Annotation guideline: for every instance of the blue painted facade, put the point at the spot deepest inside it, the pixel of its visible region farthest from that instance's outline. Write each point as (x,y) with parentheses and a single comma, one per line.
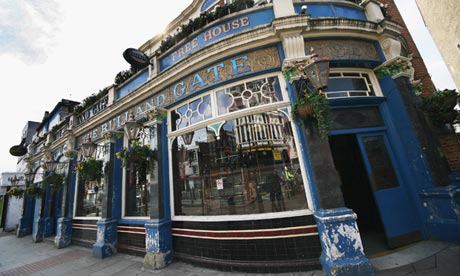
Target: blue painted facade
(413,206)
(132,84)
(317,10)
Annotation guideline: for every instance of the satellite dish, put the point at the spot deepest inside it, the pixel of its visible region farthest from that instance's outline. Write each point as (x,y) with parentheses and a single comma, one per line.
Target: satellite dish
(18,150)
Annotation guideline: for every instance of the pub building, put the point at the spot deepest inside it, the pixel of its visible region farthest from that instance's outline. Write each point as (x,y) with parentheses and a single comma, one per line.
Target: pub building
(197,156)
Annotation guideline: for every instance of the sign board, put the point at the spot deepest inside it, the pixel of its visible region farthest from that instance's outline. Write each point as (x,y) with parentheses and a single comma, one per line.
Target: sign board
(18,150)
(8,176)
(220,183)
(136,58)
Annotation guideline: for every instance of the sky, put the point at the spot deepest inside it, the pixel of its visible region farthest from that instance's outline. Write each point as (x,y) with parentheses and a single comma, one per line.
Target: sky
(67,49)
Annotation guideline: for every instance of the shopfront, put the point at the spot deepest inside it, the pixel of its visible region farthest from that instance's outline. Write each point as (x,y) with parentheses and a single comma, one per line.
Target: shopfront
(199,158)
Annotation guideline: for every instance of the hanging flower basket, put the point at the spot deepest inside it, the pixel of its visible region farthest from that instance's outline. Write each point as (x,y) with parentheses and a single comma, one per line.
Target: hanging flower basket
(313,106)
(16,192)
(138,154)
(90,170)
(71,154)
(305,111)
(34,191)
(54,180)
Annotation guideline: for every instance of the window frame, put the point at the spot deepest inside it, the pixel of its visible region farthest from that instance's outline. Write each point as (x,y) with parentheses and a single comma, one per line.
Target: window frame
(372,78)
(283,106)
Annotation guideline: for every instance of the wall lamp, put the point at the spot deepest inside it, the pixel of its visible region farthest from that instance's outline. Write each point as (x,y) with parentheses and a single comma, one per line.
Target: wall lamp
(132,128)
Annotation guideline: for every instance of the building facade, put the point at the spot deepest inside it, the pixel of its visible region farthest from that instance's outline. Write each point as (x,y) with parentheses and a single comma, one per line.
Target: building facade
(197,156)
(444,27)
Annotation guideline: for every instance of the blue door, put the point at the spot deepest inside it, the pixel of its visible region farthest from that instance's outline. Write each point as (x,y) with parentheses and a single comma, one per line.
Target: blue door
(396,210)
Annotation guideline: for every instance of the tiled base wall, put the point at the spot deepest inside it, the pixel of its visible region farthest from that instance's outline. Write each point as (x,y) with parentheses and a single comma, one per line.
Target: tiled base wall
(262,246)
(84,232)
(131,239)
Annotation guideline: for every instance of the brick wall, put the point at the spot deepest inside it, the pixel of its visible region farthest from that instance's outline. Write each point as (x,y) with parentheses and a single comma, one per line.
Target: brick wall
(421,73)
(451,147)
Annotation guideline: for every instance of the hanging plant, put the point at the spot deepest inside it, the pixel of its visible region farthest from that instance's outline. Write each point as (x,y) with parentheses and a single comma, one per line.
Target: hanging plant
(34,191)
(112,135)
(71,154)
(54,181)
(156,113)
(138,154)
(439,107)
(16,192)
(392,69)
(290,73)
(204,19)
(314,106)
(90,169)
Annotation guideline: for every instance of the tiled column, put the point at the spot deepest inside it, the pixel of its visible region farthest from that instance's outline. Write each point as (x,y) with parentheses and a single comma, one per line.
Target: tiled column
(343,253)
(26,220)
(107,236)
(38,227)
(64,223)
(158,232)
(48,221)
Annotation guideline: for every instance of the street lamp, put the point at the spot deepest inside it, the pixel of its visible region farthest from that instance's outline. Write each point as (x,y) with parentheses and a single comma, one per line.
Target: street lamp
(50,165)
(29,177)
(317,73)
(131,127)
(88,148)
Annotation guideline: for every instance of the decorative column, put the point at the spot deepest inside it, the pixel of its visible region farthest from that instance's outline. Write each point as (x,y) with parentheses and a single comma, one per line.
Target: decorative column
(158,232)
(343,253)
(38,225)
(64,223)
(107,238)
(26,220)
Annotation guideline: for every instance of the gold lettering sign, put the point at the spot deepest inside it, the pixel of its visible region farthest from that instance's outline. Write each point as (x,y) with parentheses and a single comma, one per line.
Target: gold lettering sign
(199,81)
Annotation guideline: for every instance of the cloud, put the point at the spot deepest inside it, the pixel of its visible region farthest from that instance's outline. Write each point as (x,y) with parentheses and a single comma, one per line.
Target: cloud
(28,29)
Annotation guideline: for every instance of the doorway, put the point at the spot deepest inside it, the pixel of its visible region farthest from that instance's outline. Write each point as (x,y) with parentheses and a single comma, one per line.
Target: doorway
(357,191)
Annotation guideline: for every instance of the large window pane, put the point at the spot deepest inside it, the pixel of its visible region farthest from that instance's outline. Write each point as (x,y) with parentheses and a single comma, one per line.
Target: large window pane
(90,185)
(249,166)
(140,173)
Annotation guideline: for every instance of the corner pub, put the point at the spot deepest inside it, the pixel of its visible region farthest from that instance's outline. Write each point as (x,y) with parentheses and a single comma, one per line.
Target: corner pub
(197,156)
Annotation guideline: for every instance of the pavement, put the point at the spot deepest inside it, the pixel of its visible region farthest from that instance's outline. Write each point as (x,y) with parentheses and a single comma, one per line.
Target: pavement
(20,257)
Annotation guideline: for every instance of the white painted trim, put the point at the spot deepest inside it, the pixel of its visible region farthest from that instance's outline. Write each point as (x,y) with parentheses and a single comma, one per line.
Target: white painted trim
(259,216)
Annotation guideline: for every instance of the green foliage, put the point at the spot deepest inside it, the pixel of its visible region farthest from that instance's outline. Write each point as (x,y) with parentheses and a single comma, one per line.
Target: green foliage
(321,113)
(89,101)
(142,156)
(391,70)
(15,191)
(71,154)
(31,191)
(90,170)
(34,191)
(54,181)
(205,18)
(123,76)
(439,107)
